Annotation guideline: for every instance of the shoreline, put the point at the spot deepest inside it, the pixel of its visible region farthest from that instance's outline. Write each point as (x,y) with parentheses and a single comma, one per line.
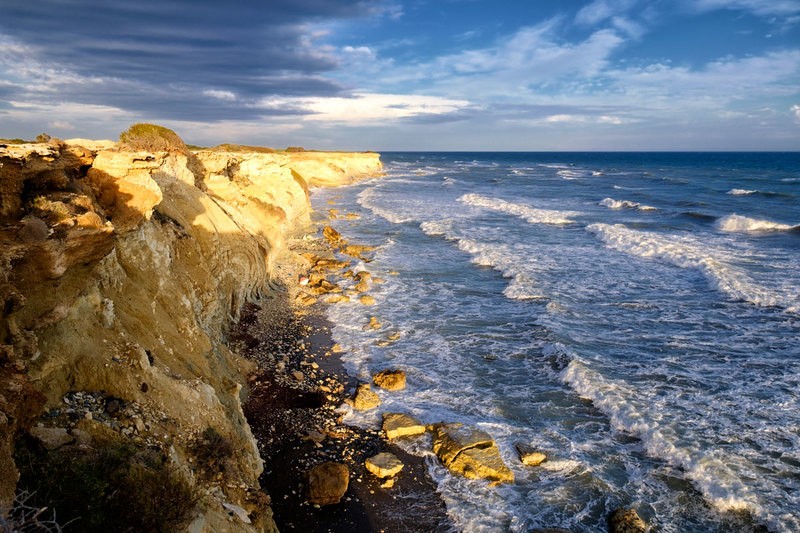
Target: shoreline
(292,408)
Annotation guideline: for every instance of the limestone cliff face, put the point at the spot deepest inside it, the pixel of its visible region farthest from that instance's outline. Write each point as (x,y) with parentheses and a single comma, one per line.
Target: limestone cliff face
(119,272)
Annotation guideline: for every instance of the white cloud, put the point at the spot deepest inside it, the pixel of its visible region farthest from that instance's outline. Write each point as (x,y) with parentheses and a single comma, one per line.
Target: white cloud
(368,107)
(795,109)
(61,125)
(759,7)
(227,96)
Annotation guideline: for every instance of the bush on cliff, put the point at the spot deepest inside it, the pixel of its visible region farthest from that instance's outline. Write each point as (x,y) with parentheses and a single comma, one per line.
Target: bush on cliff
(151,138)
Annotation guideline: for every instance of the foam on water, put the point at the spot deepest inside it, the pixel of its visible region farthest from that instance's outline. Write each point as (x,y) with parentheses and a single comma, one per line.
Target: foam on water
(741,224)
(714,472)
(688,252)
(624,204)
(741,192)
(530,214)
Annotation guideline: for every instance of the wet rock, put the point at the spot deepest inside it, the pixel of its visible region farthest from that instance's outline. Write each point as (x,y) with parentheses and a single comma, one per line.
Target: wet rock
(528,455)
(392,380)
(52,438)
(626,521)
(470,452)
(332,236)
(299,376)
(365,398)
(384,465)
(374,323)
(397,425)
(327,483)
(366,299)
(337,299)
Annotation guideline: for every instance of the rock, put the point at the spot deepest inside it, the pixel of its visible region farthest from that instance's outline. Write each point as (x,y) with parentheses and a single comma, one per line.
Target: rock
(299,376)
(393,336)
(374,323)
(337,348)
(332,236)
(482,463)
(392,380)
(327,483)
(240,513)
(33,229)
(384,465)
(470,452)
(626,521)
(550,530)
(397,425)
(337,299)
(365,398)
(366,299)
(528,455)
(52,438)
(388,484)
(362,286)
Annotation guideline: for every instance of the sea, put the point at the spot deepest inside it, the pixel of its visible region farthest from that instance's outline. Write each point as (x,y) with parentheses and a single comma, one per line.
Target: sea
(634,316)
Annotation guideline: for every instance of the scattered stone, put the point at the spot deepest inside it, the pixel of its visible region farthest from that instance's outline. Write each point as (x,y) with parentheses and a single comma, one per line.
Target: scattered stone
(384,465)
(366,299)
(299,376)
(397,425)
(362,286)
(314,436)
(388,484)
(305,299)
(528,455)
(337,299)
(470,452)
(52,438)
(362,275)
(332,236)
(365,398)
(327,483)
(626,521)
(139,424)
(393,336)
(374,323)
(112,406)
(392,380)
(337,348)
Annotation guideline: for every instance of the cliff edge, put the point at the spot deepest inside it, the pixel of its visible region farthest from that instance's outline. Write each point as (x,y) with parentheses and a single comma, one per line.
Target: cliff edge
(119,273)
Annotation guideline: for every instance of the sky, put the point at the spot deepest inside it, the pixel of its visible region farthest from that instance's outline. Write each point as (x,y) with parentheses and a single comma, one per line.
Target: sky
(463,75)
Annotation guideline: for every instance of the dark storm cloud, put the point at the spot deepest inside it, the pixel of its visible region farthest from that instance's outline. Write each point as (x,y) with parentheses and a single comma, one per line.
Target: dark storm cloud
(159,56)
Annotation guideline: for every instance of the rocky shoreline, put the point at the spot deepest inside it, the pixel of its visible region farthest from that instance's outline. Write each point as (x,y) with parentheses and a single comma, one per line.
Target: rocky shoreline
(294,411)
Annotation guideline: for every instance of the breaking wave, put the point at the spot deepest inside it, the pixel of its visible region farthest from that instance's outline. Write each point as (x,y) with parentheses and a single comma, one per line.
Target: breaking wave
(742,224)
(531,214)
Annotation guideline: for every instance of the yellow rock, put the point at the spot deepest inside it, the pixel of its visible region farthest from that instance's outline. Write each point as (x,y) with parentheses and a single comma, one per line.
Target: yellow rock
(384,465)
(392,380)
(366,299)
(397,425)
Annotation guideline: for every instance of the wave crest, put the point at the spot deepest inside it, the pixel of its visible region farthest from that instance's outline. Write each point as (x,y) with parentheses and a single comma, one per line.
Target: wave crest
(530,214)
(741,224)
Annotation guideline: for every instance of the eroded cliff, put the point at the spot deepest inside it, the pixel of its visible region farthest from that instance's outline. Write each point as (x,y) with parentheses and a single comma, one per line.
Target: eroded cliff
(119,273)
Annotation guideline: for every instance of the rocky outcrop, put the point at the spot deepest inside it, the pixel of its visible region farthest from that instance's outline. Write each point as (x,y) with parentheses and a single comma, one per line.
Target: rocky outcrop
(327,483)
(119,273)
(470,452)
(397,425)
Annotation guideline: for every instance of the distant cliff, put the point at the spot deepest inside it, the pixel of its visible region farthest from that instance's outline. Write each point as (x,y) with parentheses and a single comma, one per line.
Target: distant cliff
(119,272)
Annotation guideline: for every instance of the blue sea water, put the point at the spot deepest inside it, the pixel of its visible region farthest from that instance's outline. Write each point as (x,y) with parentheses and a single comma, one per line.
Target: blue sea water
(636,316)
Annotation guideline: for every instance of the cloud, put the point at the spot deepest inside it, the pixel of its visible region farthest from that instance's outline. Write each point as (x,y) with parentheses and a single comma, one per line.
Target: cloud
(758,7)
(795,109)
(166,58)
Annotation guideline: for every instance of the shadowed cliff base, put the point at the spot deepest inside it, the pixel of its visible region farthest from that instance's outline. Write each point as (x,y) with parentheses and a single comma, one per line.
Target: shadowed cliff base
(292,410)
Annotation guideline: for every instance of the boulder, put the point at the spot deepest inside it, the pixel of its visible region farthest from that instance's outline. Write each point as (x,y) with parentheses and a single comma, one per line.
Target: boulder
(528,455)
(327,483)
(384,465)
(626,521)
(470,452)
(392,380)
(365,398)
(52,438)
(397,425)
(366,299)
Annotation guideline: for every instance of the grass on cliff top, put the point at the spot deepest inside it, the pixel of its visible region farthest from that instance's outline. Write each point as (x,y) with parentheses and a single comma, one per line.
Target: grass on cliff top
(151,138)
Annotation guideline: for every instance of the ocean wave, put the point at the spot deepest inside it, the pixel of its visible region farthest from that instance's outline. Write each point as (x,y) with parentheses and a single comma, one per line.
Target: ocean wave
(741,224)
(686,252)
(708,470)
(530,214)
(502,259)
(624,204)
(368,199)
(741,192)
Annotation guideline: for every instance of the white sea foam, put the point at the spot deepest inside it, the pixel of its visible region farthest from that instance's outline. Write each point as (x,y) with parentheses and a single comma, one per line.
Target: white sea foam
(741,192)
(742,224)
(686,252)
(714,472)
(500,258)
(369,198)
(624,204)
(531,214)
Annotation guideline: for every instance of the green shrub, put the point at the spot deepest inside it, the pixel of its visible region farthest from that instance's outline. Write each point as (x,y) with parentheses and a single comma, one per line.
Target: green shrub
(151,138)
(118,488)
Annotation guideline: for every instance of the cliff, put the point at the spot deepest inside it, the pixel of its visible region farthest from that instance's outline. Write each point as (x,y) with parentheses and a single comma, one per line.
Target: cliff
(119,273)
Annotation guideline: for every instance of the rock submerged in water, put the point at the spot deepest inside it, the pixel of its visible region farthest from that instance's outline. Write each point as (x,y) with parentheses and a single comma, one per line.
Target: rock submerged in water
(365,398)
(528,455)
(391,380)
(397,425)
(327,483)
(384,465)
(626,521)
(470,452)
